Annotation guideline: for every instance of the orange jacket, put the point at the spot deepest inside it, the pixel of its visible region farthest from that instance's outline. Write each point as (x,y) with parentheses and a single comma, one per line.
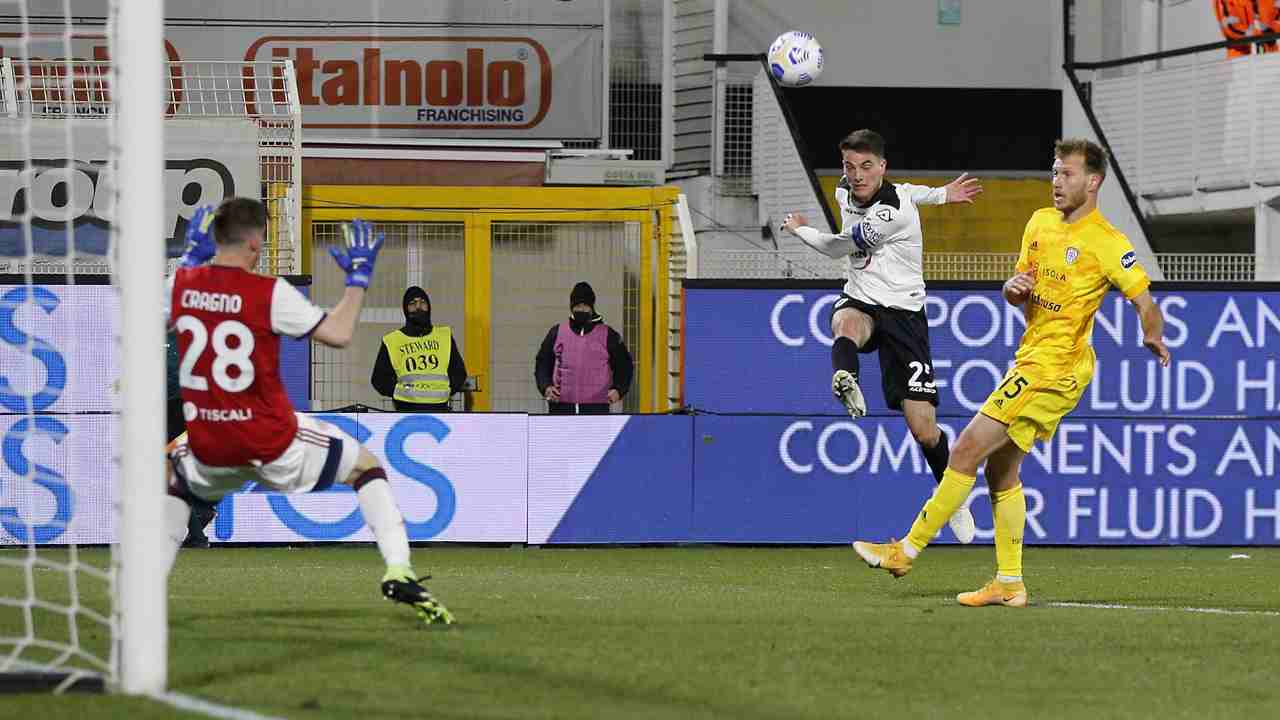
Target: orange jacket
(1267,21)
(1268,15)
(1236,20)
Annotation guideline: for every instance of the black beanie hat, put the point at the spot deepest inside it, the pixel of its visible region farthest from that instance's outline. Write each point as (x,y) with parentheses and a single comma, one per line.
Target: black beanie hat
(582,295)
(412,294)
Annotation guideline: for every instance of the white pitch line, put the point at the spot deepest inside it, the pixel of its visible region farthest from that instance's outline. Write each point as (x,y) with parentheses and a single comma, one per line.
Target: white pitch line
(204,707)
(1156,608)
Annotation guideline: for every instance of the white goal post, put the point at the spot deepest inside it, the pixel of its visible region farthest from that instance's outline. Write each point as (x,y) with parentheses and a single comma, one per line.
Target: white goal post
(90,144)
(141,598)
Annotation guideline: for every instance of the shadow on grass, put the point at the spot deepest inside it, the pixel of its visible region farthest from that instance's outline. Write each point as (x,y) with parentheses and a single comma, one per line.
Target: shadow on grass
(264,651)
(594,692)
(209,619)
(571,691)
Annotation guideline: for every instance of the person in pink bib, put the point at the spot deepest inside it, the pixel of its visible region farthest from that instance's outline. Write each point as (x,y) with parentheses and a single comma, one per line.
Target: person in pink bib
(583,366)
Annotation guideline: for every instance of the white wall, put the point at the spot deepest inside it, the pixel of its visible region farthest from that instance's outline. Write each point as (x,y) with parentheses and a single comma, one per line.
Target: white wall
(1112,29)
(1111,199)
(1266,240)
(721,222)
(899,43)
(1075,123)
(1189,23)
(1109,29)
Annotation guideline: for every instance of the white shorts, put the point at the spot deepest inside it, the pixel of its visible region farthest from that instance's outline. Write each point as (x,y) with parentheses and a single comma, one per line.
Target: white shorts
(319,456)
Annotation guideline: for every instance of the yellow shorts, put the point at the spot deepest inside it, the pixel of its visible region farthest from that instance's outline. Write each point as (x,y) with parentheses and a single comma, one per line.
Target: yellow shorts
(1032,409)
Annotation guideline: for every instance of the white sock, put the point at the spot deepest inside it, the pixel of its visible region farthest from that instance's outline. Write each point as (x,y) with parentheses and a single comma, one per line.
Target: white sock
(909,549)
(177,513)
(1009,578)
(383,517)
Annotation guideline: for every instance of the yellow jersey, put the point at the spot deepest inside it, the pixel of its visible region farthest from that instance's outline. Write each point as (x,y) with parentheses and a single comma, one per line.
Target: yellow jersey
(1075,264)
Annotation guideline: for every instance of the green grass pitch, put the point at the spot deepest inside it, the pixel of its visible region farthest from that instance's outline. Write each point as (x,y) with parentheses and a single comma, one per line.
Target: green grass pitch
(707,632)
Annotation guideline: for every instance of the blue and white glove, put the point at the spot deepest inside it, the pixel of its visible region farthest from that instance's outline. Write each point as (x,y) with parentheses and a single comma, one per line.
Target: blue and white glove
(200,246)
(362,250)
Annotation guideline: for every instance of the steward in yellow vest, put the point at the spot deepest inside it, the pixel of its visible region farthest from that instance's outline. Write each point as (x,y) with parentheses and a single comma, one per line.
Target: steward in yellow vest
(419,365)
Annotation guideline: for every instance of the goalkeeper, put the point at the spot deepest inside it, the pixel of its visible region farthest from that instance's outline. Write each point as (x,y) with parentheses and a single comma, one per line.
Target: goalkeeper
(240,425)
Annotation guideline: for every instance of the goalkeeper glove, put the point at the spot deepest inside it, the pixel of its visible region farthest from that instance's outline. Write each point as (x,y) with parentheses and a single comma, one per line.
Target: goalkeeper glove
(362,250)
(200,246)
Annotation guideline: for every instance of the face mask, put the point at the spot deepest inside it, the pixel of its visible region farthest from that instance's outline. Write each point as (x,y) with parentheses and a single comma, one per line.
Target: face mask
(420,318)
(582,318)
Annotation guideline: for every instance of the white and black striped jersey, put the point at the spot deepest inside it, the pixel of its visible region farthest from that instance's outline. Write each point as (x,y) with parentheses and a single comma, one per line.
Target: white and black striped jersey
(881,242)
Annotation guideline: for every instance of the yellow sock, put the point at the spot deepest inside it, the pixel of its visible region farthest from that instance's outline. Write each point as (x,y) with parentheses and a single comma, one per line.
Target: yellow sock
(947,498)
(1010,510)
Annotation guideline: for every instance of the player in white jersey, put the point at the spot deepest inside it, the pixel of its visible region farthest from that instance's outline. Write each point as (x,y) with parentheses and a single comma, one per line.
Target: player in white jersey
(241,426)
(882,306)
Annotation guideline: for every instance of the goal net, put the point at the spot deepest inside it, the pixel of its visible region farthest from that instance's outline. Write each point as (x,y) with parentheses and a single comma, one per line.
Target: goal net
(106,150)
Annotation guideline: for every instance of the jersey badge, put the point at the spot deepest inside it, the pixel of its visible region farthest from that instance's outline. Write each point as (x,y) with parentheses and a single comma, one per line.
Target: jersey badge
(885,214)
(1072,255)
(1128,260)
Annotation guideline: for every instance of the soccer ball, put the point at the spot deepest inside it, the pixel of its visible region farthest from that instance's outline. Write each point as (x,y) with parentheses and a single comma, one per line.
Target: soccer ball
(795,58)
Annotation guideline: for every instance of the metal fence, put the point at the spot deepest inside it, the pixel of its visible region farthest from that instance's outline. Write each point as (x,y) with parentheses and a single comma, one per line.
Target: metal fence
(1208,267)
(636,77)
(763,264)
(635,105)
(499,264)
(430,255)
(535,265)
(263,92)
(734,125)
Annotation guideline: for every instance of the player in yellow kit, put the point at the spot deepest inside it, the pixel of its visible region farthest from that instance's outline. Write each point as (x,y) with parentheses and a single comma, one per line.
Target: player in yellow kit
(1070,257)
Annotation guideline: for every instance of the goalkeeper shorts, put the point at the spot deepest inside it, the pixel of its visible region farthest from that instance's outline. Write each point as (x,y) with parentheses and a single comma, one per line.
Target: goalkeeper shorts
(320,455)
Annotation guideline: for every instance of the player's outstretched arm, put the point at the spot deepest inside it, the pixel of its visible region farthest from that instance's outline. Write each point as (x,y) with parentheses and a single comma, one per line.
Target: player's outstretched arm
(1152,327)
(1017,289)
(833,246)
(363,244)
